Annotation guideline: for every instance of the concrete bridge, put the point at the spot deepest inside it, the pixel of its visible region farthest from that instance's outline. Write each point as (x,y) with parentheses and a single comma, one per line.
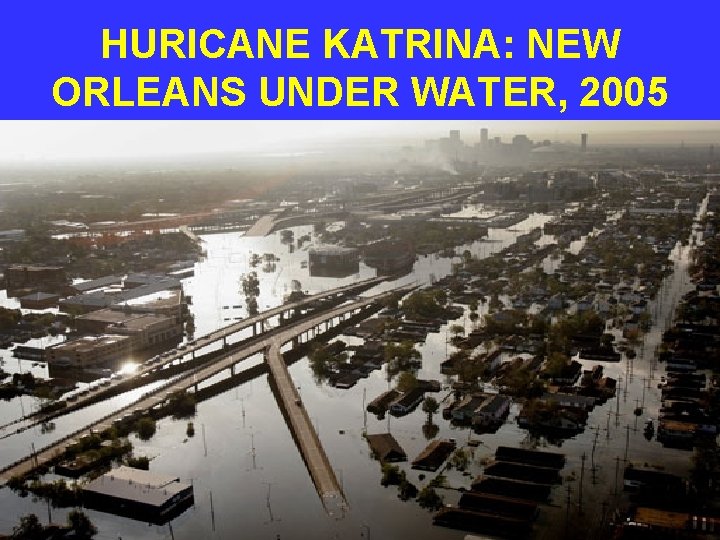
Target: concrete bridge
(222,338)
(270,344)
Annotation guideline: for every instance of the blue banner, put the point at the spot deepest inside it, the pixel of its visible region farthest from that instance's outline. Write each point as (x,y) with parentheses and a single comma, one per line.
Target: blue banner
(370,60)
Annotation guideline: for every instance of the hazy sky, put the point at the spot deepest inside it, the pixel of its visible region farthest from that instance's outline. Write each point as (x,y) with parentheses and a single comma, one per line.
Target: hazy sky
(41,141)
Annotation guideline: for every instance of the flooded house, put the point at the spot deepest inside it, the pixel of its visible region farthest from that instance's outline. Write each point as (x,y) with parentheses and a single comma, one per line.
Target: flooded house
(333,261)
(434,455)
(139,494)
(385,448)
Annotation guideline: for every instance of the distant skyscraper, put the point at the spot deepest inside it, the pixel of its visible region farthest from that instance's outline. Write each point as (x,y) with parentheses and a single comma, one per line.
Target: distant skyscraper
(454,134)
(483,138)
(583,142)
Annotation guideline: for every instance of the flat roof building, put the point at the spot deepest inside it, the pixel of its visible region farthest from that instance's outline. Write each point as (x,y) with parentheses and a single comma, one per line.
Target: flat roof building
(85,303)
(39,300)
(139,494)
(333,261)
(90,351)
(29,276)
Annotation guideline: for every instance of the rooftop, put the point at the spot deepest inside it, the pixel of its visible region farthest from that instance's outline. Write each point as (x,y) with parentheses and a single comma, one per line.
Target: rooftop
(332,250)
(136,485)
(87,343)
(39,296)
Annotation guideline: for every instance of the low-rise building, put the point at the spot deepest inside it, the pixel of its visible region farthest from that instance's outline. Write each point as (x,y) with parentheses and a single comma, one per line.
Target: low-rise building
(434,455)
(33,277)
(39,300)
(407,402)
(148,331)
(84,303)
(138,494)
(385,448)
(333,261)
(90,351)
(493,411)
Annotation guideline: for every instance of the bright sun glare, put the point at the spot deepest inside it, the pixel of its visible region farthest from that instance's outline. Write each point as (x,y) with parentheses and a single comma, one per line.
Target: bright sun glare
(128,368)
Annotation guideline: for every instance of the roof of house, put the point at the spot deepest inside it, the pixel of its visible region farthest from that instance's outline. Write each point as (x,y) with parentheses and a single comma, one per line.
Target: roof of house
(434,454)
(137,485)
(39,296)
(97,283)
(494,404)
(384,444)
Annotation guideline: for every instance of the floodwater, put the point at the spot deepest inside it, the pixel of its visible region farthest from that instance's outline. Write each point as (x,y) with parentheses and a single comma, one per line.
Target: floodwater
(244,460)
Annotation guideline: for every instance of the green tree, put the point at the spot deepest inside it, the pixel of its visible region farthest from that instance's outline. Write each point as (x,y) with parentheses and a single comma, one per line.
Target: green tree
(406,490)
(556,363)
(457,329)
(430,406)
(429,498)
(391,475)
(460,459)
(430,431)
(81,524)
(29,528)
(407,381)
(146,428)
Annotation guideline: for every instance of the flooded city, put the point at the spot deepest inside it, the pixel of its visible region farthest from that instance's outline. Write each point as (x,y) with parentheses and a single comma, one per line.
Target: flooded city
(499,351)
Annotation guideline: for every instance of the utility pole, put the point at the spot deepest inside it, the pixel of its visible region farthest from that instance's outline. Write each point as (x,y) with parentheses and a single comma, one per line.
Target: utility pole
(592,455)
(212,511)
(607,428)
(643,392)
(567,511)
(252,449)
(627,441)
(617,470)
(364,410)
(628,379)
(617,404)
(204,441)
(269,507)
(582,477)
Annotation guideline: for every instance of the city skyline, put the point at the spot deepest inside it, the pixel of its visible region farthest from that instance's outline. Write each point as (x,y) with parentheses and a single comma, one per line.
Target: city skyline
(40,142)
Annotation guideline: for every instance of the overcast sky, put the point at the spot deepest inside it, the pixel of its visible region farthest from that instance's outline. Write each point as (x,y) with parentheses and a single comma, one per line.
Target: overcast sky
(41,141)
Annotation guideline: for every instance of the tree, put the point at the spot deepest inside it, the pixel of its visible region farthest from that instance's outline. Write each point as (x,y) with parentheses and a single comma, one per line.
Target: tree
(399,355)
(29,528)
(460,459)
(81,524)
(425,304)
(430,431)
(406,381)
(430,406)
(182,404)
(141,462)
(429,498)
(146,428)
(457,329)
(391,475)
(556,363)
(406,490)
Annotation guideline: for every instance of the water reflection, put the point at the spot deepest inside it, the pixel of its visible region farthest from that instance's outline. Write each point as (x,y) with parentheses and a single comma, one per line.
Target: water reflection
(246,456)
